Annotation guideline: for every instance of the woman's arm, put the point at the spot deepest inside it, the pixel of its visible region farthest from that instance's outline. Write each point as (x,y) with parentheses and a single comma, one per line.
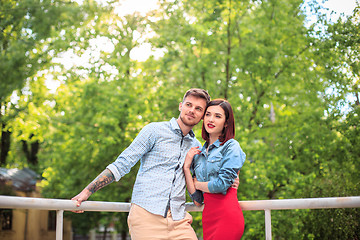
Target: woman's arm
(188,176)
(190,185)
(202,186)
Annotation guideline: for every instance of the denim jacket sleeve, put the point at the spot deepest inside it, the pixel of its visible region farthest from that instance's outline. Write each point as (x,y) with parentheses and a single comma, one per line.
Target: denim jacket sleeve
(233,160)
(197,196)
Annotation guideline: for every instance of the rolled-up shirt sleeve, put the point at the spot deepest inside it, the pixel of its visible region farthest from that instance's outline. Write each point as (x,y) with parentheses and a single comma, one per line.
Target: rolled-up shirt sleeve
(142,144)
(233,160)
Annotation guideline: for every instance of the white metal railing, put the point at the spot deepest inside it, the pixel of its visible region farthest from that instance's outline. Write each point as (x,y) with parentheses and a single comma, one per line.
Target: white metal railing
(266,205)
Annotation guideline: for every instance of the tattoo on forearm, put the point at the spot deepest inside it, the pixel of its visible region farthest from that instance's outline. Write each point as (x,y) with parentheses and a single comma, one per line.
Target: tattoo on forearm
(104,178)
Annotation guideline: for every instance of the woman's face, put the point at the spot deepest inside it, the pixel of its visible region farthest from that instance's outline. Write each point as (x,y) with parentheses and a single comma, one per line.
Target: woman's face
(214,120)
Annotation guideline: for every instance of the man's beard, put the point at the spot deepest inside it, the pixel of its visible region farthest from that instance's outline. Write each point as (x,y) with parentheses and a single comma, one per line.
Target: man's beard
(187,124)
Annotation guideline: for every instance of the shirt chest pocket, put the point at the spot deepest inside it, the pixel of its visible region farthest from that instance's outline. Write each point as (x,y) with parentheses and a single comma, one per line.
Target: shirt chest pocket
(214,164)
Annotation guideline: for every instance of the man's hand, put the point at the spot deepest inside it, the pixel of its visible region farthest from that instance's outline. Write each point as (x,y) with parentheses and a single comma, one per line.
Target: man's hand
(81,197)
(103,179)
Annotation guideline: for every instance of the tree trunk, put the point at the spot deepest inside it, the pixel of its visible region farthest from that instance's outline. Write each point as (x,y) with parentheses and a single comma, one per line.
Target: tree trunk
(123,234)
(105,231)
(31,155)
(5,144)
(227,65)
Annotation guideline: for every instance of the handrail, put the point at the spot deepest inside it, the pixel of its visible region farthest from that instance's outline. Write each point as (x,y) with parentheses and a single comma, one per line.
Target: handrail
(275,204)
(61,205)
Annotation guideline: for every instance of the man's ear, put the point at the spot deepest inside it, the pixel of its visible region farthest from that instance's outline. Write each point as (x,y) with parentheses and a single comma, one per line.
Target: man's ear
(180,106)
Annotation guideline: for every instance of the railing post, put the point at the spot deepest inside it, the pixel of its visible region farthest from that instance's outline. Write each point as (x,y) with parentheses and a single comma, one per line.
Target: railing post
(59,224)
(267,224)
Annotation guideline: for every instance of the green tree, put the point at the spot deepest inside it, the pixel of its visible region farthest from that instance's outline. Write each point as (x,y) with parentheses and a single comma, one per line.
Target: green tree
(98,112)
(32,32)
(88,133)
(288,85)
(261,57)
(338,51)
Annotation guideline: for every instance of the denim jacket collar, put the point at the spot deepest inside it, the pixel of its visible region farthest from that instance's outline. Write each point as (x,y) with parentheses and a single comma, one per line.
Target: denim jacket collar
(215,144)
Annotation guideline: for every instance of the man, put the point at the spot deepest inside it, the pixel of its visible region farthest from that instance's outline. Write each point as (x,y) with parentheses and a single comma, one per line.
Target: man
(158,199)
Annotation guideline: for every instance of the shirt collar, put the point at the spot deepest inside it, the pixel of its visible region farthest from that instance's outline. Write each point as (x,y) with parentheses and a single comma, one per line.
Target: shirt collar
(215,144)
(177,128)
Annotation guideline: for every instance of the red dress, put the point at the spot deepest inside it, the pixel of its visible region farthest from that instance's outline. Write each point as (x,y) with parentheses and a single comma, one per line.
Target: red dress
(222,216)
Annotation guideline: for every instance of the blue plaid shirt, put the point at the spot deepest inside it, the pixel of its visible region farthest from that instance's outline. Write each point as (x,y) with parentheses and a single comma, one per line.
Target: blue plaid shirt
(160,182)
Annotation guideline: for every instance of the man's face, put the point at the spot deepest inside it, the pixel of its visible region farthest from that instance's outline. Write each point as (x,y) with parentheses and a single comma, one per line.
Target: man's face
(192,110)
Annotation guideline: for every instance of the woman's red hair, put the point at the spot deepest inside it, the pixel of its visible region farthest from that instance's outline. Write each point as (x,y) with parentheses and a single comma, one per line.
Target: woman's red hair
(228,131)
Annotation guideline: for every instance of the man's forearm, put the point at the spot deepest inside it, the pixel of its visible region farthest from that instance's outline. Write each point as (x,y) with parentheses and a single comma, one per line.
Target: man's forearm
(104,178)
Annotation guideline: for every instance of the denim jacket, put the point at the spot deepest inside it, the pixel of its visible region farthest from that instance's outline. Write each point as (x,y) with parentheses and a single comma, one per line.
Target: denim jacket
(218,167)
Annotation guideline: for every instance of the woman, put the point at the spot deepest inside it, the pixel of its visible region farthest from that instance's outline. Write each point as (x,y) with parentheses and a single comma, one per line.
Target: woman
(215,167)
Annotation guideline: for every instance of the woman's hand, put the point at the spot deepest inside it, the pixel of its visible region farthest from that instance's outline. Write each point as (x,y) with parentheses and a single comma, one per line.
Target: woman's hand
(186,168)
(236,181)
(189,156)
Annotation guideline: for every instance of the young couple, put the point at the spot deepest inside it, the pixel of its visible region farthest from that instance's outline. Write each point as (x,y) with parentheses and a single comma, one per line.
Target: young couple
(169,152)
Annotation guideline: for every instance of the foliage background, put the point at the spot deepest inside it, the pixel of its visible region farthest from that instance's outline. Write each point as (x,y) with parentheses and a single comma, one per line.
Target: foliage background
(293,84)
